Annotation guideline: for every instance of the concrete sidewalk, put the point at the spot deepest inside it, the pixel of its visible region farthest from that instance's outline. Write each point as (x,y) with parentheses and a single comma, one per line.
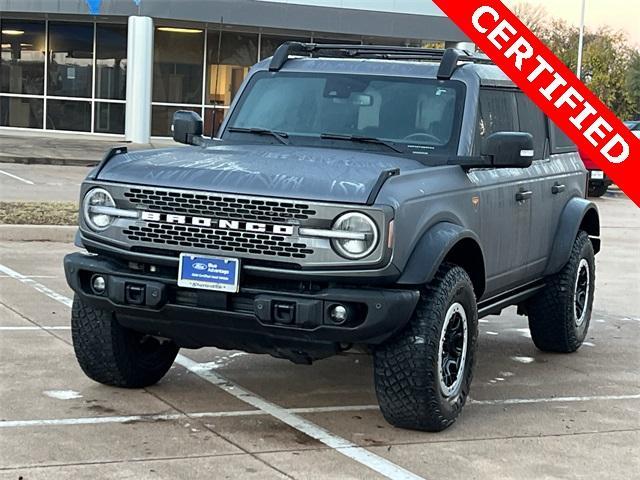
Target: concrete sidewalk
(47,148)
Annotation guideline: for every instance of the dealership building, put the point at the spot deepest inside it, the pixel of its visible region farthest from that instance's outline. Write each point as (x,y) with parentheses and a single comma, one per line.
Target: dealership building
(123,67)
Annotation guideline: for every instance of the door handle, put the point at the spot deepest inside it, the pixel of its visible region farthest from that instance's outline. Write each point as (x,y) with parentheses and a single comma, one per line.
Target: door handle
(524,195)
(557,188)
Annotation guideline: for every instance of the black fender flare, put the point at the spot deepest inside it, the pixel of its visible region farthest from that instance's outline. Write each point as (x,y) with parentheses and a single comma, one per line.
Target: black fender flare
(579,213)
(433,248)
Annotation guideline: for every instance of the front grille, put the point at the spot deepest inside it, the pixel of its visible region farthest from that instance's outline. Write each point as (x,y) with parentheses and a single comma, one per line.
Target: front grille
(219,206)
(175,236)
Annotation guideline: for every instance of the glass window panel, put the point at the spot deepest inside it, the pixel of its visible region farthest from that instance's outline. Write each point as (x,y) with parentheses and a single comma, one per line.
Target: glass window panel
(109,117)
(162,117)
(111,61)
(229,60)
(497,113)
(21,112)
(401,42)
(560,142)
(70,59)
(269,43)
(533,121)
(416,111)
(177,70)
(69,115)
(213,118)
(22,60)
(338,41)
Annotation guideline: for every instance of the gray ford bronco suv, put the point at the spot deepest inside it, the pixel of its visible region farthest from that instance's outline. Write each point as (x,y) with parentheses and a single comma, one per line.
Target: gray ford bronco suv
(378,198)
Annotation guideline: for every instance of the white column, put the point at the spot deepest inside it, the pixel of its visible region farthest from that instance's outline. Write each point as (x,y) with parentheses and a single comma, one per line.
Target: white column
(139,79)
(581,40)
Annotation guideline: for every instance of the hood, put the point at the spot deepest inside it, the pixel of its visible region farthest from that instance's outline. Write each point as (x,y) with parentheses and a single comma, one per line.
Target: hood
(303,173)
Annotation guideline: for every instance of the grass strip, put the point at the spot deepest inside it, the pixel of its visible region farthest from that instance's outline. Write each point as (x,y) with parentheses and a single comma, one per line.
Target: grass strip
(38,213)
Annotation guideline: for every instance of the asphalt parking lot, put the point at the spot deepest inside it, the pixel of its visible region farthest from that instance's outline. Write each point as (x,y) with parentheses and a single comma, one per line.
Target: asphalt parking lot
(221,414)
(37,183)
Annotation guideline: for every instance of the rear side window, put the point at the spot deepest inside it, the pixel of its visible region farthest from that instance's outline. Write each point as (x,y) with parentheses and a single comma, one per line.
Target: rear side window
(532,120)
(560,143)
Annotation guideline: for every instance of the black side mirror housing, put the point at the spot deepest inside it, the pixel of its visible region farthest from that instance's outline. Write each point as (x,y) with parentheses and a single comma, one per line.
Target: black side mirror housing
(187,127)
(509,149)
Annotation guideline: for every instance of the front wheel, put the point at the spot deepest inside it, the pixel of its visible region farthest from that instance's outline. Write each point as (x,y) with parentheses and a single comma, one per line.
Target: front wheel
(113,355)
(560,314)
(423,374)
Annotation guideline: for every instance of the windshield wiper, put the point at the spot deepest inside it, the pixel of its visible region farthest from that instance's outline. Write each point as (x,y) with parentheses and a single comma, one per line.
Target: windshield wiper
(282,137)
(363,139)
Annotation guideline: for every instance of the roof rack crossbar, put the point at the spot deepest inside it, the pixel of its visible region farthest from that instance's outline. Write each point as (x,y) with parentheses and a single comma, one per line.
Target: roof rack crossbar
(449,58)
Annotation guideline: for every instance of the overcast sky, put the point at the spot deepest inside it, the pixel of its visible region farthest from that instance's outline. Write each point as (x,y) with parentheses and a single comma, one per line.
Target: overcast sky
(617,14)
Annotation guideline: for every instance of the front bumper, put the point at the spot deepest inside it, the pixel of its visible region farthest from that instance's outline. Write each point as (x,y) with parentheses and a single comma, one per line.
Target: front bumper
(288,322)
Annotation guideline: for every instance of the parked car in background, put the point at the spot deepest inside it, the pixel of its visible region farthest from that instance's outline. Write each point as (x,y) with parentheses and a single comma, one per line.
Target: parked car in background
(599,182)
(634,127)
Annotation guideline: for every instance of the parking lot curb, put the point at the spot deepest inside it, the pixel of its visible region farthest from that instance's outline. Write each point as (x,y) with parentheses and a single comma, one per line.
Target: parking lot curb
(68,162)
(37,233)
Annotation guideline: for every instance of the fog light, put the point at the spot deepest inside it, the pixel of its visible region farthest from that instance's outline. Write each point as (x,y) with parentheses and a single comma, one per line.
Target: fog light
(98,284)
(339,314)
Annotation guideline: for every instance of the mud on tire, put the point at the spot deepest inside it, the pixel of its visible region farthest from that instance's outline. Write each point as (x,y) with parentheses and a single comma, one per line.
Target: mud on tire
(560,314)
(113,355)
(411,390)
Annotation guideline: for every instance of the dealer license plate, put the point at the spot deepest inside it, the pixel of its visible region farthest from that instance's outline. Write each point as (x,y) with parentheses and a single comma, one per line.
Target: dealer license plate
(597,174)
(209,273)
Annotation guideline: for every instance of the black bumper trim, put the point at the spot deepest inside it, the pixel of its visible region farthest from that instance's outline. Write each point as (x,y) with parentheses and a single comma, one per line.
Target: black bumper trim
(233,322)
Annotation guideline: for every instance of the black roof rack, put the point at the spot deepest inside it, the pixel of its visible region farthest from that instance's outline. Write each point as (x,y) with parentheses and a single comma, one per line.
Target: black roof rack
(448,58)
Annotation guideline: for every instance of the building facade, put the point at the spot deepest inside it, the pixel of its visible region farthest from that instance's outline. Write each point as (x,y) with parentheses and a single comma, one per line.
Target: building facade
(123,67)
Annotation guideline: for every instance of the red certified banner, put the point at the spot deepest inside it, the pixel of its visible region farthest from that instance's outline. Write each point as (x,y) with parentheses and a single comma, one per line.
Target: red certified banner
(552,86)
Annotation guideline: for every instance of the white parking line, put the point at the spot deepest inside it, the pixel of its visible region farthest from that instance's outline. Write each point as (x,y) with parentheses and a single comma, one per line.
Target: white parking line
(522,401)
(27,329)
(36,286)
(23,180)
(40,277)
(339,444)
(57,422)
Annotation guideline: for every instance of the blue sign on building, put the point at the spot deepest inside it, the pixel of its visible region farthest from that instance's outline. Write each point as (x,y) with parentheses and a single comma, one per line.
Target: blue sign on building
(94,5)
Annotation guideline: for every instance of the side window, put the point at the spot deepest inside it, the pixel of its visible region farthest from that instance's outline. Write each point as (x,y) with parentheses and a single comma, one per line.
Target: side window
(533,121)
(497,113)
(560,143)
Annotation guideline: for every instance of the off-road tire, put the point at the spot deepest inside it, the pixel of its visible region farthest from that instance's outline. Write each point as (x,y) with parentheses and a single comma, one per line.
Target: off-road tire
(597,190)
(113,355)
(406,375)
(552,312)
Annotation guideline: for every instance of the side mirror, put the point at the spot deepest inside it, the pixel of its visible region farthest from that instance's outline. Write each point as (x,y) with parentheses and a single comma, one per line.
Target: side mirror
(509,149)
(187,127)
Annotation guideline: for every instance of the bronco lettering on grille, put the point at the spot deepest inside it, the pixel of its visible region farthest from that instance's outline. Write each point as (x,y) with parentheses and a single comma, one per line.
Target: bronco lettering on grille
(214,223)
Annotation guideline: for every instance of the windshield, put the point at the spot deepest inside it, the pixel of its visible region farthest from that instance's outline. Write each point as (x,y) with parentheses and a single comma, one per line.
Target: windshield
(422,115)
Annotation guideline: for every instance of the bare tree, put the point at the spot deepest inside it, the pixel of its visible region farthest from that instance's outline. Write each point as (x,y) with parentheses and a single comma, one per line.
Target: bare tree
(533,16)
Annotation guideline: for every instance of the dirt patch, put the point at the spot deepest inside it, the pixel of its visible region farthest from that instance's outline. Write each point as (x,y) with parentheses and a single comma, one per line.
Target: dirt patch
(38,213)
(101,409)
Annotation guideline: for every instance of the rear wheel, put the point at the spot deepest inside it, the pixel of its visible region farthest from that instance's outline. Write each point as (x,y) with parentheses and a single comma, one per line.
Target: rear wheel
(113,355)
(560,314)
(597,189)
(423,374)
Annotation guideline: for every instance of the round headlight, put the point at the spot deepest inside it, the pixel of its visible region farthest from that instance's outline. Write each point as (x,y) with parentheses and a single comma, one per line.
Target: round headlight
(98,197)
(363,243)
